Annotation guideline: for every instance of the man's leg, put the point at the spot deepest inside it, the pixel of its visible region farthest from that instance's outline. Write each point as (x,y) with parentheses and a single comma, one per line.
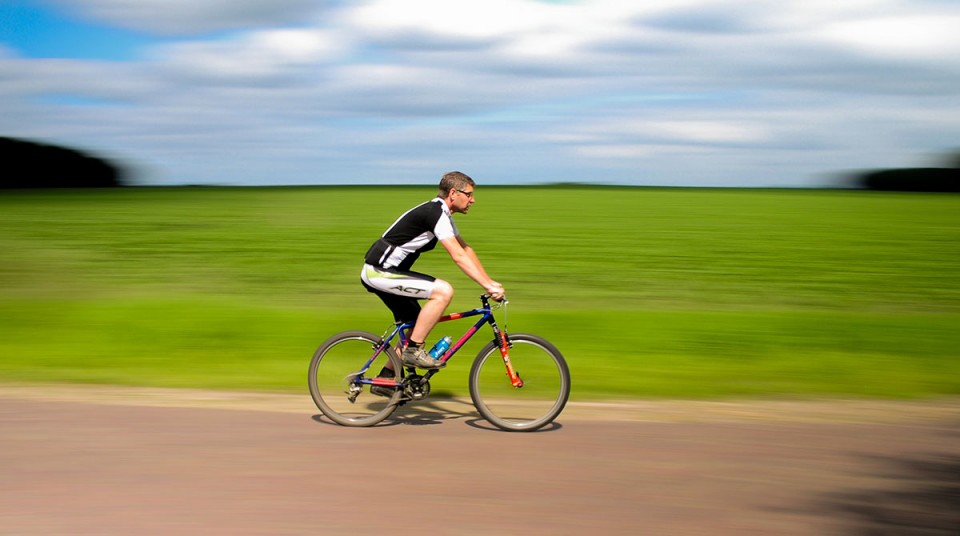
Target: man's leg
(400,290)
(432,310)
(414,354)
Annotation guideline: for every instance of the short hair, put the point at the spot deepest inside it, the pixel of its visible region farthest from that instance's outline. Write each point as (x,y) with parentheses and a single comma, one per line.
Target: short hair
(454,181)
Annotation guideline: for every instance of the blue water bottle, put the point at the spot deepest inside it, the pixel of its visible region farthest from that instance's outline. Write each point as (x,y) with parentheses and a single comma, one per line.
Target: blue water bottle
(440,348)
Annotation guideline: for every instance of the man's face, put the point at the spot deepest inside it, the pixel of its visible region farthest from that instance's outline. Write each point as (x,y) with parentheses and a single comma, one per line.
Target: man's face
(462,199)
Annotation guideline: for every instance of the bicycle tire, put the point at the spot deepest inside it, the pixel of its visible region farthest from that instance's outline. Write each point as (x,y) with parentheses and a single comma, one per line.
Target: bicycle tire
(332,373)
(546,389)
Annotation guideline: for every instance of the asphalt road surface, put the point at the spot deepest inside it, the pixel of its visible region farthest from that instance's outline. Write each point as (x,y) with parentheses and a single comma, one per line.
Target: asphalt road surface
(113,461)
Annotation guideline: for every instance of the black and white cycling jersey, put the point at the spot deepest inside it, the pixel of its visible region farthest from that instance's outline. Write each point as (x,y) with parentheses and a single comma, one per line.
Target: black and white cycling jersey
(416,231)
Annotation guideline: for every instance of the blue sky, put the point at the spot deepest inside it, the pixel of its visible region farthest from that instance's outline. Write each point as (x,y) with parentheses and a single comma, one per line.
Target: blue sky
(662,92)
(35,30)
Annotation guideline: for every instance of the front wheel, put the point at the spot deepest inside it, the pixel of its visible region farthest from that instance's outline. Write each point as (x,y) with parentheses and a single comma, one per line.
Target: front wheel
(546,384)
(339,385)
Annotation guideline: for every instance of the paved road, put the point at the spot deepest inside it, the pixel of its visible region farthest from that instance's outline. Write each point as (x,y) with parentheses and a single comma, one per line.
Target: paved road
(118,466)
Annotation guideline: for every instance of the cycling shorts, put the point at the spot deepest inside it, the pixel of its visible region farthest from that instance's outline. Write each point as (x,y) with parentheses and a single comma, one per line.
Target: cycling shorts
(400,283)
(399,290)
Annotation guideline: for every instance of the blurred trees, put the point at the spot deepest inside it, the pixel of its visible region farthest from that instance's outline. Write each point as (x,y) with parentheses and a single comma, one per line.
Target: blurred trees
(930,179)
(914,180)
(28,165)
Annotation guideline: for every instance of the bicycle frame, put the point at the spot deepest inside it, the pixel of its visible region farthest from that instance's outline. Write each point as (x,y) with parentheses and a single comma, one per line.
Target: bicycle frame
(400,330)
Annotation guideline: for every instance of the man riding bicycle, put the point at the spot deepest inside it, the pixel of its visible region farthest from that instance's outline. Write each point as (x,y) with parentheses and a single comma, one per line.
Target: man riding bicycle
(387,264)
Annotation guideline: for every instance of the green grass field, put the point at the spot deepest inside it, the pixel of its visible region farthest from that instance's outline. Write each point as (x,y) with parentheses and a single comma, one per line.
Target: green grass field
(648,292)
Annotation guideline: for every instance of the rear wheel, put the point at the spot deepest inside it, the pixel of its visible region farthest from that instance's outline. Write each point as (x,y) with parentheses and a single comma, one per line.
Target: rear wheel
(546,384)
(336,383)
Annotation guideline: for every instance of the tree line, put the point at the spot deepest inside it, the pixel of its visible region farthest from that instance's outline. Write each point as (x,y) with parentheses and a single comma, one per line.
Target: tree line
(33,165)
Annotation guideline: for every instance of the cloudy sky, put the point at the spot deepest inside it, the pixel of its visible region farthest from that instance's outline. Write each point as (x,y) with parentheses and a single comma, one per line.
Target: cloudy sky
(659,92)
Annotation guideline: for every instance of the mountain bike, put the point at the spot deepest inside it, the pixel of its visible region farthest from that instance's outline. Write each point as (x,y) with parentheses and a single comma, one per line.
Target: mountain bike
(518,382)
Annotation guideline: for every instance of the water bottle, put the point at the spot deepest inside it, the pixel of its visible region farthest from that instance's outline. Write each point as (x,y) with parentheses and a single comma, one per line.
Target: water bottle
(440,348)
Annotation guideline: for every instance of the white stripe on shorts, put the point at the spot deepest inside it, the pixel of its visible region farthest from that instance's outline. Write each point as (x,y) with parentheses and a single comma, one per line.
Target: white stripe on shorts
(398,283)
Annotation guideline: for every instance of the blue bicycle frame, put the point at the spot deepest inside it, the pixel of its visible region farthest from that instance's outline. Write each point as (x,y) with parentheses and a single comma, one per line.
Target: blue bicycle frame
(400,330)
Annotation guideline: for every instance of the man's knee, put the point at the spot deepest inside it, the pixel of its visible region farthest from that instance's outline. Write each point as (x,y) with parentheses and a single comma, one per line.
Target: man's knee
(442,290)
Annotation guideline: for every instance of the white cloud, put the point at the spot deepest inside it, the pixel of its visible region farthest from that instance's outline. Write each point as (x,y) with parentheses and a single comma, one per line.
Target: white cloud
(694,130)
(186,17)
(488,20)
(21,78)
(933,37)
(626,151)
(256,54)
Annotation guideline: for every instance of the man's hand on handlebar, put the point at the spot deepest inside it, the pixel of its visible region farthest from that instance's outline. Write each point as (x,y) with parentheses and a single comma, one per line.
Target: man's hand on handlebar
(495,290)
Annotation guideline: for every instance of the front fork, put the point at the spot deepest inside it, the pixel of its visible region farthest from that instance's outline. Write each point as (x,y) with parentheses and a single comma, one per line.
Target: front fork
(503,342)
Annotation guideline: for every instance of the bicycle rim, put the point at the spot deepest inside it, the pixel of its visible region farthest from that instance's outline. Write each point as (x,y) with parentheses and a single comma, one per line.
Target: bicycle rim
(546,387)
(334,385)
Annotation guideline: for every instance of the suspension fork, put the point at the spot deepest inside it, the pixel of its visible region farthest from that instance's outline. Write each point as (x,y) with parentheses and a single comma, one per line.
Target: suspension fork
(503,343)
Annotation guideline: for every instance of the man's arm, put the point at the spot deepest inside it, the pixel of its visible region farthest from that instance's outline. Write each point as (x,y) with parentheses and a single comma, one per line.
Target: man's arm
(466,259)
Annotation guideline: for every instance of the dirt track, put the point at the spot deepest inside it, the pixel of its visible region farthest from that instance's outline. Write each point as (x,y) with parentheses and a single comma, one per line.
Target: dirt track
(125,461)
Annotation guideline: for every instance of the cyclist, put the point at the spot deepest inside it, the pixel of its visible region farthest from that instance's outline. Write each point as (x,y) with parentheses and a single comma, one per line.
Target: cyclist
(387,265)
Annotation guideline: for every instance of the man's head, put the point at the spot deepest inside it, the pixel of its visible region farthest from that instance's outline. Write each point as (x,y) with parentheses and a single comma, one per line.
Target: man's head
(457,190)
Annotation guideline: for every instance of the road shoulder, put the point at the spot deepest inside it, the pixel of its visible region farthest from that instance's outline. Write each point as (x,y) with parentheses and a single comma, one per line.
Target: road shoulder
(776,410)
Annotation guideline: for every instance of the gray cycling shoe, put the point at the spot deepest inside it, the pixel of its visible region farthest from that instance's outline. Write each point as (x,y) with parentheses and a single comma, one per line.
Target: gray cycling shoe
(416,357)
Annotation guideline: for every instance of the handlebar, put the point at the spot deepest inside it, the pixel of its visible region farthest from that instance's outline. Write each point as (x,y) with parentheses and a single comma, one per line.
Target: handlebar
(486,296)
